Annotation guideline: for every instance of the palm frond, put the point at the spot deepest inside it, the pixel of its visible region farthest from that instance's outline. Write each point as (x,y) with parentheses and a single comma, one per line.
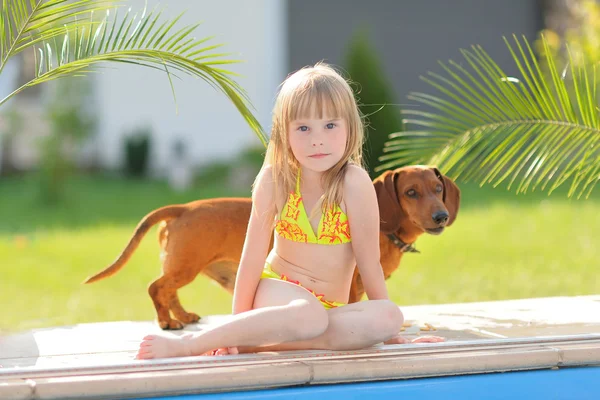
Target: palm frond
(26,22)
(67,40)
(538,131)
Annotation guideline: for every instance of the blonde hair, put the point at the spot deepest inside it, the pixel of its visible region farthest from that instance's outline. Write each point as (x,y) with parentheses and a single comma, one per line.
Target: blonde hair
(323,90)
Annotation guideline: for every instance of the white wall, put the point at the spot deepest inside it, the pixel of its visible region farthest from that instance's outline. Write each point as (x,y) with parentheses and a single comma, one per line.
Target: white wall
(130,96)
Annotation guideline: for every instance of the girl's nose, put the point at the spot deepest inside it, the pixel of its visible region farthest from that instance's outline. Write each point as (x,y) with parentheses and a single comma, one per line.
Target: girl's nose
(317,138)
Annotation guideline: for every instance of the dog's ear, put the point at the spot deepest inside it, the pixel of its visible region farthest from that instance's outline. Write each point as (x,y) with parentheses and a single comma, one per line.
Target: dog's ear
(451,195)
(390,210)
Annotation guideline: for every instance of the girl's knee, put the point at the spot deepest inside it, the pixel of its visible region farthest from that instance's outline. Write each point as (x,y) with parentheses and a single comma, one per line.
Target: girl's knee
(308,319)
(390,318)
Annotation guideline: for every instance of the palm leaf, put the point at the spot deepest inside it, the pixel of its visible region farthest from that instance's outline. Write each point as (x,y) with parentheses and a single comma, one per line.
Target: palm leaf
(67,40)
(538,131)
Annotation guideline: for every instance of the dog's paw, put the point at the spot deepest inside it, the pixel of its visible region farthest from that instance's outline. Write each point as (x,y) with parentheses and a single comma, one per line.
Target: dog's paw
(172,324)
(189,318)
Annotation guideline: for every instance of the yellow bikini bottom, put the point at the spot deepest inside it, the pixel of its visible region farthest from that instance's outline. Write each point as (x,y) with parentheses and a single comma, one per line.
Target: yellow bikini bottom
(269,273)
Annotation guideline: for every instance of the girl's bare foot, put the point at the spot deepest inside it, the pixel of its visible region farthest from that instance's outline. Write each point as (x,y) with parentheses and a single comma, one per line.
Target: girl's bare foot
(223,352)
(422,339)
(428,339)
(161,346)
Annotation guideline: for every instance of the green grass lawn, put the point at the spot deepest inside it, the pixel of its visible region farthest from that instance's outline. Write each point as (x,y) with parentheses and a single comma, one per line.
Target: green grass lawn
(502,246)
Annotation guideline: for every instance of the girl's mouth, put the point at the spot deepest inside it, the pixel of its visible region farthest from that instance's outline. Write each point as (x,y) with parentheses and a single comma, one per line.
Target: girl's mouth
(318,155)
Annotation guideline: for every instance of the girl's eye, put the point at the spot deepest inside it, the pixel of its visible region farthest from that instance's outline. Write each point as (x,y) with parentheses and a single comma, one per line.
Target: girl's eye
(303,128)
(330,125)
(411,193)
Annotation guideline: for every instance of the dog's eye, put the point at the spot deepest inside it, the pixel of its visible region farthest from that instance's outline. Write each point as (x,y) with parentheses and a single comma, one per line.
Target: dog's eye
(439,188)
(411,193)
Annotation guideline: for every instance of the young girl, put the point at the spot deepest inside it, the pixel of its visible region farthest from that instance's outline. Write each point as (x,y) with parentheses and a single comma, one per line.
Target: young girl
(321,203)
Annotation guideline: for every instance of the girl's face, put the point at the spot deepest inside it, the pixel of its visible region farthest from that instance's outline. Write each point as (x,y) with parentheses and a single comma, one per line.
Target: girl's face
(318,144)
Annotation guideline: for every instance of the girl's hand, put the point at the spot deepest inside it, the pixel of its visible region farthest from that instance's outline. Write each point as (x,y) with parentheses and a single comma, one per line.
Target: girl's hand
(421,339)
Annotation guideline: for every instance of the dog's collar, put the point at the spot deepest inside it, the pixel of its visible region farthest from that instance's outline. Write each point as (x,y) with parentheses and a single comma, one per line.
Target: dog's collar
(404,247)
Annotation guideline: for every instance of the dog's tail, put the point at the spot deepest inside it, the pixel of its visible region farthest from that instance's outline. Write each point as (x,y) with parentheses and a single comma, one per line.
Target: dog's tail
(151,219)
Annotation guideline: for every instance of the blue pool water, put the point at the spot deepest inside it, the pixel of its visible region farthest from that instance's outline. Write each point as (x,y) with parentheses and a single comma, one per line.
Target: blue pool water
(568,383)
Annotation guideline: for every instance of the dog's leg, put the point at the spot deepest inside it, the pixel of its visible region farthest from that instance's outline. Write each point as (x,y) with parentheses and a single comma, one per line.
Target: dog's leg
(178,310)
(357,289)
(356,295)
(162,291)
(164,295)
(180,313)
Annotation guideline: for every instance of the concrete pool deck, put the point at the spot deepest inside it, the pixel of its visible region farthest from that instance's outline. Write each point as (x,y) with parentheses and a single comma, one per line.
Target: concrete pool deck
(97,360)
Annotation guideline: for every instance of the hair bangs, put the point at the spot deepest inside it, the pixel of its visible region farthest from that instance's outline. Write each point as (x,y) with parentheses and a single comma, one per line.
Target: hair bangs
(319,100)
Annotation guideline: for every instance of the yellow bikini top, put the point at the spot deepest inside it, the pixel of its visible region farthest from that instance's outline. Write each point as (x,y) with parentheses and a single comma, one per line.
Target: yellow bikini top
(294,225)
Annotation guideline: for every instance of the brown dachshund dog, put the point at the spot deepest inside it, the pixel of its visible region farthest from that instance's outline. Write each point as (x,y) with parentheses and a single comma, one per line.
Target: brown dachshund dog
(207,236)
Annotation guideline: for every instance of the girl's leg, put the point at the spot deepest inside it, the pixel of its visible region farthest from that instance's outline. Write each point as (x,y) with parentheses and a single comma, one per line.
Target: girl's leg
(283,312)
(351,327)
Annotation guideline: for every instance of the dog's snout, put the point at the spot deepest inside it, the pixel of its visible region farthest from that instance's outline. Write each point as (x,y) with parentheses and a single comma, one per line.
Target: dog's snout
(440,217)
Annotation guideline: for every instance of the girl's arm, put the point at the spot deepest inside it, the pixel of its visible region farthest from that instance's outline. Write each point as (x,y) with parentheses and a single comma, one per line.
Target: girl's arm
(256,245)
(363,216)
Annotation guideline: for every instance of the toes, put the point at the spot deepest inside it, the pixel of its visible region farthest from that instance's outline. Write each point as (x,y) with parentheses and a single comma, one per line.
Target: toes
(144,355)
(143,351)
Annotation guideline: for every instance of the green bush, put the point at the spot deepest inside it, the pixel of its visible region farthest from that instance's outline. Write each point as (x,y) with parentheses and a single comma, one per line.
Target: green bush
(253,157)
(137,152)
(236,173)
(11,123)
(375,97)
(214,172)
(71,122)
